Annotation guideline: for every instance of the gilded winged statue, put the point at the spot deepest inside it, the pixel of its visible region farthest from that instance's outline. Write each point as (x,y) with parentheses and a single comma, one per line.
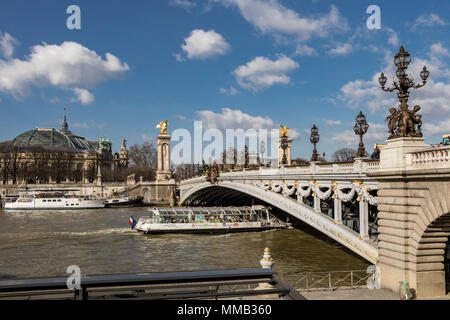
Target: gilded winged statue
(283,131)
(163,127)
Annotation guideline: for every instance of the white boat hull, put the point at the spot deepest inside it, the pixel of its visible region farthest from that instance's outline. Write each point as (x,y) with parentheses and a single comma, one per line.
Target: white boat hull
(55,204)
(159,228)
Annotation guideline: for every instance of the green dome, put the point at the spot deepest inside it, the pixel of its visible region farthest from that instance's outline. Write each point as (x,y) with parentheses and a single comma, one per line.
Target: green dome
(52,138)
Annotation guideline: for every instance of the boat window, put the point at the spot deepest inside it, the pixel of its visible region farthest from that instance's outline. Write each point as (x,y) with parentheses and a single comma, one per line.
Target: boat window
(44,200)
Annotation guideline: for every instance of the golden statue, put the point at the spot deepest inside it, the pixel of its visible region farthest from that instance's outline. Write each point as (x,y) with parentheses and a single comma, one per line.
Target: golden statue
(283,131)
(163,127)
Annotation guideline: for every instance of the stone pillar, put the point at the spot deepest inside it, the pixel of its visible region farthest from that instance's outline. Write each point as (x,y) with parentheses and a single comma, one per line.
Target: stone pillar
(99,175)
(413,220)
(337,211)
(316,203)
(393,154)
(299,198)
(363,219)
(163,172)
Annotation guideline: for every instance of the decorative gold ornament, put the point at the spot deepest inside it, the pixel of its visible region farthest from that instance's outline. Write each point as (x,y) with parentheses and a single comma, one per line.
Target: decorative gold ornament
(162,126)
(283,131)
(334,185)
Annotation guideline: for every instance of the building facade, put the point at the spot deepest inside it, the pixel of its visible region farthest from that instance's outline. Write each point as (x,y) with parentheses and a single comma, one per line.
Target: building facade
(48,155)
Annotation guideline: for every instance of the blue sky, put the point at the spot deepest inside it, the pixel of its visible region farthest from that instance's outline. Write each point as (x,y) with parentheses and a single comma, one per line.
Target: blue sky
(230,63)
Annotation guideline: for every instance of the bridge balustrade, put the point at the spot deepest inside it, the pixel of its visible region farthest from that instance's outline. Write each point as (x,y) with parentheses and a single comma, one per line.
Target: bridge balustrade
(429,158)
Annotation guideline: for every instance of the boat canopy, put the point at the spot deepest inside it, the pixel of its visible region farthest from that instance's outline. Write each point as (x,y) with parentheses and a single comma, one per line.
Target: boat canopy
(214,211)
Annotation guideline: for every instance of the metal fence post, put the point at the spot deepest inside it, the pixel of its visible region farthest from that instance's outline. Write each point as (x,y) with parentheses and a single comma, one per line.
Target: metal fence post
(329,281)
(351,279)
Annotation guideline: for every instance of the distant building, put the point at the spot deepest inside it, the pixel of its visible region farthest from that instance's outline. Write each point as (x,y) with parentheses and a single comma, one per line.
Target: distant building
(47,155)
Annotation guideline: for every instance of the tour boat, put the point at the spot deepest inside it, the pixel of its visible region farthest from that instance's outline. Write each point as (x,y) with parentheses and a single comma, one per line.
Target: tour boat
(208,220)
(53,200)
(123,201)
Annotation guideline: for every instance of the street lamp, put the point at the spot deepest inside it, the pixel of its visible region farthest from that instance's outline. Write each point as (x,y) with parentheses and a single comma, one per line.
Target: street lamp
(314,139)
(284,145)
(360,129)
(402,121)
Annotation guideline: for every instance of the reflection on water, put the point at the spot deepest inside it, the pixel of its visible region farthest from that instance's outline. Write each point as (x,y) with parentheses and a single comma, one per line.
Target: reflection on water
(42,243)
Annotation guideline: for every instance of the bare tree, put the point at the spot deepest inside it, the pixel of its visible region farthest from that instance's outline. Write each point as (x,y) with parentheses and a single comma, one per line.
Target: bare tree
(344,154)
(144,155)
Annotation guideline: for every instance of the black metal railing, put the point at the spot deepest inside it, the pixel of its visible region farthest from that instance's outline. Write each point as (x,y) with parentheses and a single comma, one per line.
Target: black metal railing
(211,284)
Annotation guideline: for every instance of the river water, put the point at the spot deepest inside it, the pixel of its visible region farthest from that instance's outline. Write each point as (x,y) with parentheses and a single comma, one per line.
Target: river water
(44,244)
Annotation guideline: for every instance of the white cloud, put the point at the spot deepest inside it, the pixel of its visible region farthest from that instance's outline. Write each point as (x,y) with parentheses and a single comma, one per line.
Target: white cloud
(428,20)
(236,119)
(333,122)
(392,37)
(83,96)
(437,49)
(377,133)
(179,57)
(341,49)
(181,117)
(441,127)
(229,92)
(7,43)
(272,17)
(305,50)
(65,66)
(185,4)
(146,138)
(262,72)
(204,44)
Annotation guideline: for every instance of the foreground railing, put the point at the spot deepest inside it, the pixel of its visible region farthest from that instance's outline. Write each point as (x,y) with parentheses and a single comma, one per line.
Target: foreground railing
(209,284)
(310,281)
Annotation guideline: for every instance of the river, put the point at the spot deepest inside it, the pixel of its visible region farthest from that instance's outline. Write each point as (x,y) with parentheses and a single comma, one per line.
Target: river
(44,244)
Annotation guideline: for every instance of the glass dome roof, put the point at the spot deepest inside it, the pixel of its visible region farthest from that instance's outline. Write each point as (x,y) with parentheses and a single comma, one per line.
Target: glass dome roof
(52,138)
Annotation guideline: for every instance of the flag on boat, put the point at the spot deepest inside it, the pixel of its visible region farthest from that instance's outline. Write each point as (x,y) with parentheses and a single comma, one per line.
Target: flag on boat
(132,222)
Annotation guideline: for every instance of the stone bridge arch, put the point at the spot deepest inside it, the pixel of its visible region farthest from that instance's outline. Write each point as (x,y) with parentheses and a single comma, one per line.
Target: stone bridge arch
(319,221)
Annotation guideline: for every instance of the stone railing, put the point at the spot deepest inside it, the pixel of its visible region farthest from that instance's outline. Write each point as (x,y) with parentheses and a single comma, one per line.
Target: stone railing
(357,167)
(429,158)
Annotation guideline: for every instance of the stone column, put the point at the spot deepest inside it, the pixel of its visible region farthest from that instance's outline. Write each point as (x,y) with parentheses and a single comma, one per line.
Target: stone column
(163,172)
(363,219)
(337,211)
(316,203)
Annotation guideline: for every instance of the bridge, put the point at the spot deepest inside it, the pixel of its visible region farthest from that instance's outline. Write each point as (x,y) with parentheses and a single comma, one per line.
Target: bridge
(317,194)
(393,212)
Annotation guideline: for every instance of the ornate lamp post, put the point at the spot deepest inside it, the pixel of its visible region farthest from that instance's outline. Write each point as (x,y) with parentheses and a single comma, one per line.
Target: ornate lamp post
(402,121)
(360,129)
(284,145)
(314,139)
